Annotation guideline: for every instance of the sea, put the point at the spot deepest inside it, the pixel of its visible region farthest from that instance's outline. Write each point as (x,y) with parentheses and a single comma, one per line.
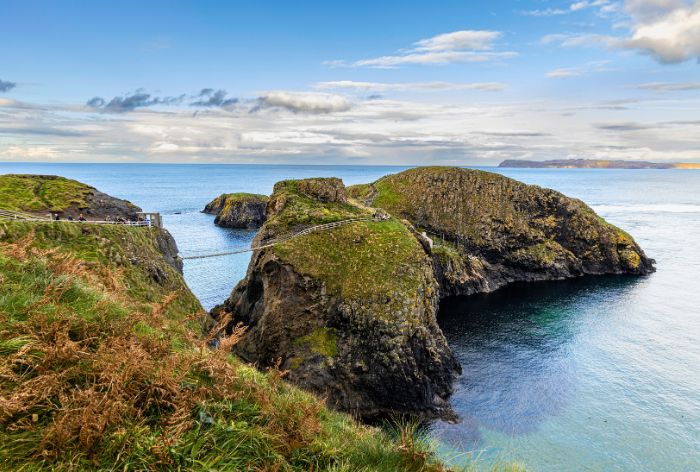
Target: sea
(593,374)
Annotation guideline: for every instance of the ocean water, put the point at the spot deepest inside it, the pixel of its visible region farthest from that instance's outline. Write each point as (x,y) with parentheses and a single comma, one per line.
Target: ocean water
(592,374)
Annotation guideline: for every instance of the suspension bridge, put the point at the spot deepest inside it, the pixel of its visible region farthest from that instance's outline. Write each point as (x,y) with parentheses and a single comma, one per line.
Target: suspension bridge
(284,239)
(153,219)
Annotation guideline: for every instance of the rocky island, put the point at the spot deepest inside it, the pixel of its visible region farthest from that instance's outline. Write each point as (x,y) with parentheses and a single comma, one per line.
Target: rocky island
(238,210)
(351,312)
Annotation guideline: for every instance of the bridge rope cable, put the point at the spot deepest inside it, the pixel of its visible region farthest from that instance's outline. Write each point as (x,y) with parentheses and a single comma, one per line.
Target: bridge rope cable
(304,232)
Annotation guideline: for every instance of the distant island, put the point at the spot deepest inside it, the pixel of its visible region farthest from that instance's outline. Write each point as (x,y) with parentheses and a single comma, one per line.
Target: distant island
(596,164)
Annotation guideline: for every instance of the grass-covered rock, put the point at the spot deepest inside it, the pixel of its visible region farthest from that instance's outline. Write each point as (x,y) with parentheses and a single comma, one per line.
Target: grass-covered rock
(490,230)
(349,311)
(45,194)
(238,210)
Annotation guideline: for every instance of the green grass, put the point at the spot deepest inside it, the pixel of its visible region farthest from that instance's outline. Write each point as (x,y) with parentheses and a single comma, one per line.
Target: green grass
(359,259)
(41,193)
(102,368)
(360,191)
(300,209)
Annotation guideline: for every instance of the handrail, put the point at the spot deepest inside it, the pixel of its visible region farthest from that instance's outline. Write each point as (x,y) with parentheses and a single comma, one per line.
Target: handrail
(19,216)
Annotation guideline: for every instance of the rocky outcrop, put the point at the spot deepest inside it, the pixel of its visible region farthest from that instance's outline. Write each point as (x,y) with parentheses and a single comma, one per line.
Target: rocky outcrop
(238,210)
(42,194)
(490,230)
(351,312)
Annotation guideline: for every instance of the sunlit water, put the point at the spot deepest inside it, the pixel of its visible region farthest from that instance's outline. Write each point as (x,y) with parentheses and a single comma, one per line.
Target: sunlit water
(594,374)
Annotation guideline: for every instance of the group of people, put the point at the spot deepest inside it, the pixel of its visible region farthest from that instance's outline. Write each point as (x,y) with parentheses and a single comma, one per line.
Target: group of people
(118,219)
(57,217)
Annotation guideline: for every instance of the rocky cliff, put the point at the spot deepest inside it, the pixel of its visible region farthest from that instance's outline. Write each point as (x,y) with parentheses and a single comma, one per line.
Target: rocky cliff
(351,311)
(238,210)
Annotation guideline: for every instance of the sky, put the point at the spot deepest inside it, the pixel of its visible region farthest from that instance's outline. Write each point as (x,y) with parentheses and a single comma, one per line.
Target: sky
(321,82)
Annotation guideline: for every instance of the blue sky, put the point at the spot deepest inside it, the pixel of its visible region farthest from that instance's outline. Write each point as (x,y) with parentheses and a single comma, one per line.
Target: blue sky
(352,82)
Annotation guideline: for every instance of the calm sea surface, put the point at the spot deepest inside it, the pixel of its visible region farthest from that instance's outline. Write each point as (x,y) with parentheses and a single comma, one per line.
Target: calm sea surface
(594,374)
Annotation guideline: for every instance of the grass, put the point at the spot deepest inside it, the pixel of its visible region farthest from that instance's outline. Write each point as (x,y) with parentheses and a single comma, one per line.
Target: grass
(35,193)
(301,209)
(102,368)
(359,259)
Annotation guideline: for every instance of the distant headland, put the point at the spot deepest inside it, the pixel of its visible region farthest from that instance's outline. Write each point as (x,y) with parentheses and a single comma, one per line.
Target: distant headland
(596,164)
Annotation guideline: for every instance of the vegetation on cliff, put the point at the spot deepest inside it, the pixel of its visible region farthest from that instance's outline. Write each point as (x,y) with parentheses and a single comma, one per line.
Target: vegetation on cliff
(103,366)
(238,210)
(42,194)
(350,311)
(506,230)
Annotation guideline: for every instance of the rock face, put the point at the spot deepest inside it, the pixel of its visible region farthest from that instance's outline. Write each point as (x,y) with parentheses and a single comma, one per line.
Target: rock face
(351,312)
(238,210)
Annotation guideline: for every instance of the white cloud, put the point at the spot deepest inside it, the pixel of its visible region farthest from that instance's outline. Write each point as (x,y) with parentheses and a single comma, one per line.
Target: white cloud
(466,39)
(669,86)
(370,131)
(457,47)
(304,102)
(667,30)
(563,73)
(408,86)
(589,67)
(604,5)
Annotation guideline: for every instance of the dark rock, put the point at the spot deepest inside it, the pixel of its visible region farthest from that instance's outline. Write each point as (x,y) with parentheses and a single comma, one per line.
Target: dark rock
(238,210)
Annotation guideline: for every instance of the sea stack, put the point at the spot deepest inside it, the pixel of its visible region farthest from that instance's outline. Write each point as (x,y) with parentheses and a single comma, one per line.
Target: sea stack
(238,210)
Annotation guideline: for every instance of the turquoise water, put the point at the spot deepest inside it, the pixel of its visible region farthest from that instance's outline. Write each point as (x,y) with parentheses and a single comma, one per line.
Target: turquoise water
(594,374)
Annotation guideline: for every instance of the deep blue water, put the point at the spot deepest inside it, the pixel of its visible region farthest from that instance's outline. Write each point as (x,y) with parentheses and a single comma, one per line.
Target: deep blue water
(592,374)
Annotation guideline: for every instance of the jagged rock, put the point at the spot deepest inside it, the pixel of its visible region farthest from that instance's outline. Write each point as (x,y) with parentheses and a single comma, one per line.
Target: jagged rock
(238,210)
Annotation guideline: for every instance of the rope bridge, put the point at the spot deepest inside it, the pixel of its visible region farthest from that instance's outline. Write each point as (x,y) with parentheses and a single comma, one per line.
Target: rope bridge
(18,216)
(304,232)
